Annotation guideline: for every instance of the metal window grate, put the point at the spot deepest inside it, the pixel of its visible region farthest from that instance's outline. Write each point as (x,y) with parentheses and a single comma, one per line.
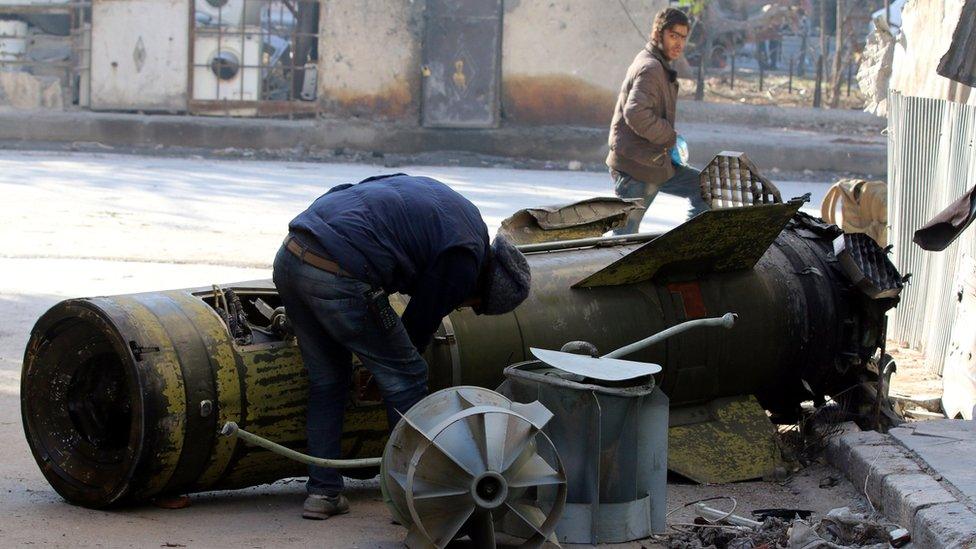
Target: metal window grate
(731,180)
(254,57)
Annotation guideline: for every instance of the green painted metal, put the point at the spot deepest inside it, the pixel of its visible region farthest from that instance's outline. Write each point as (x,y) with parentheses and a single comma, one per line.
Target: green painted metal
(122,397)
(715,242)
(730,439)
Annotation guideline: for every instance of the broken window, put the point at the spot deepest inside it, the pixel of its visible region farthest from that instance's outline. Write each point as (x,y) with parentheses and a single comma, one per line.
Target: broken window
(254,57)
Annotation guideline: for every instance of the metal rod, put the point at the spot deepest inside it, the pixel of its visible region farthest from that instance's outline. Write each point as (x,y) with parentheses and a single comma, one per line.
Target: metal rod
(587,242)
(231,429)
(762,72)
(716,515)
(725,321)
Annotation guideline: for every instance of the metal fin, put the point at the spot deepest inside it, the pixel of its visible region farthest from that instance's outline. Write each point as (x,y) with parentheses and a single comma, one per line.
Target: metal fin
(715,241)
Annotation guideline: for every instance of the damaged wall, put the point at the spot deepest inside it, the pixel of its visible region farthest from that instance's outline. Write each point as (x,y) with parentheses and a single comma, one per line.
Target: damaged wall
(370,57)
(927,29)
(562,60)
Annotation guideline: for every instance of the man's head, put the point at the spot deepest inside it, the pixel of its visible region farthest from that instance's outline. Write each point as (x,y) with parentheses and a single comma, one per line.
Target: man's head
(506,281)
(670,32)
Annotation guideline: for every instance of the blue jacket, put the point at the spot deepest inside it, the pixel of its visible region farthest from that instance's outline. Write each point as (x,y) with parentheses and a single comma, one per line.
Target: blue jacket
(412,235)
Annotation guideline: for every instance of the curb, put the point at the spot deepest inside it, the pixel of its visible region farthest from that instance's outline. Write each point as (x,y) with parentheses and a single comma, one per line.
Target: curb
(902,488)
(785,149)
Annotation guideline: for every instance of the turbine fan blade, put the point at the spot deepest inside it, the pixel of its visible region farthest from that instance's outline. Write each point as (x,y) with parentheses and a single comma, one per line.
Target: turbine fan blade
(435,466)
(534,472)
(481,530)
(443,517)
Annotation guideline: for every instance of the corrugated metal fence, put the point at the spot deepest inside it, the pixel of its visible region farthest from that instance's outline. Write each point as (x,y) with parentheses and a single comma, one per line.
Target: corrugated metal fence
(931,162)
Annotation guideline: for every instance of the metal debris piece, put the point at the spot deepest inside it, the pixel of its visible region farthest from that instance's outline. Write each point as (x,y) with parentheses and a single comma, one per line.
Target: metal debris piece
(716,515)
(614,437)
(867,265)
(715,241)
(464,458)
(731,180)
(727,440)
(584,219)
(603,369)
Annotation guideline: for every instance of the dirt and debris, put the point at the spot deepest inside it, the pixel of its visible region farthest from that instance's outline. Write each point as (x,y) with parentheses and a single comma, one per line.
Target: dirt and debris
(840,528)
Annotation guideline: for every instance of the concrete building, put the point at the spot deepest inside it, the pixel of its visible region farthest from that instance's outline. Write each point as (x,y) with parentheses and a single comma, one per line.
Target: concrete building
(432,63)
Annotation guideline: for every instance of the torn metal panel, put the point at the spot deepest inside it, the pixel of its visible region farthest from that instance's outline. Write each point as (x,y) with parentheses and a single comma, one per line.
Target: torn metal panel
(726,440)
(715,241)
(731,180)
(867,266)
(959,62)
(584,219)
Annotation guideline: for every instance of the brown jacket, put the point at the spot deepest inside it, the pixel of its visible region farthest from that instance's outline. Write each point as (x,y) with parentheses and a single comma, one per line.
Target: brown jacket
(642,131)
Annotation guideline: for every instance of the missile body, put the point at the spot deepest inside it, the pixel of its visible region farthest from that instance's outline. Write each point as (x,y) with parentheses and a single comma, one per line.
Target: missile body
(123,397)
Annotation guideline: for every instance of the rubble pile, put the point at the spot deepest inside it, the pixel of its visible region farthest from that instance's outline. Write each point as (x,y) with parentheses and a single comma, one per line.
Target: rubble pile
(839,529)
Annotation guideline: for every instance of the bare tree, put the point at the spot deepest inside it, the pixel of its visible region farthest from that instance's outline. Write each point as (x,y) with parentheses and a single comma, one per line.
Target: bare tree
(836,71)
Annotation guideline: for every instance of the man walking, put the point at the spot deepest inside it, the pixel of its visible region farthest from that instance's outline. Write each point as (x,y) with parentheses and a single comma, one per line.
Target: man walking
(343,255)
(642,131)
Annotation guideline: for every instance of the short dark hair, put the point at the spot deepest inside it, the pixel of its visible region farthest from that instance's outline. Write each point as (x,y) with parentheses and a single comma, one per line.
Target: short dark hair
(664,20)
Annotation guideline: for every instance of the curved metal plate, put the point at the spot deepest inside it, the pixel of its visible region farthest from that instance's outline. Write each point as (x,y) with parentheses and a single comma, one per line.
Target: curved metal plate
(606,369)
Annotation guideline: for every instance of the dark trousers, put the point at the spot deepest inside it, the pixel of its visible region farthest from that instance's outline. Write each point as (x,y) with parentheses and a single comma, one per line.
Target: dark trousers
(331,320)
(684,183)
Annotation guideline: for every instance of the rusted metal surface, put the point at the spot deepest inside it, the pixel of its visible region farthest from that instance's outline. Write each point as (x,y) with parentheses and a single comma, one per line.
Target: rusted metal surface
(732,180)
(716,241)
(462,64)
(584,219)
(959,62)
(556,100)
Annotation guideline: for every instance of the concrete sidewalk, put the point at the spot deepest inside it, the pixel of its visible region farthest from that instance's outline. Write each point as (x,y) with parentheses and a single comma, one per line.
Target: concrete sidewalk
(920,476)
(823,144)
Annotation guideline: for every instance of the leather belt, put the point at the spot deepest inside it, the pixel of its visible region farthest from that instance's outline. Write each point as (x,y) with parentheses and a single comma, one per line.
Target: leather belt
(316,260)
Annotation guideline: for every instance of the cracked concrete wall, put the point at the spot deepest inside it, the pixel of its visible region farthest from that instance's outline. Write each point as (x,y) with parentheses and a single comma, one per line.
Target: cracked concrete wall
(563,60)
(927,27)
(370,57)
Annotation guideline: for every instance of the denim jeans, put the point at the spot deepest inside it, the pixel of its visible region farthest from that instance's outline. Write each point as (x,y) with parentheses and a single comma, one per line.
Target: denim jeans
(684,183)
(331,321)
